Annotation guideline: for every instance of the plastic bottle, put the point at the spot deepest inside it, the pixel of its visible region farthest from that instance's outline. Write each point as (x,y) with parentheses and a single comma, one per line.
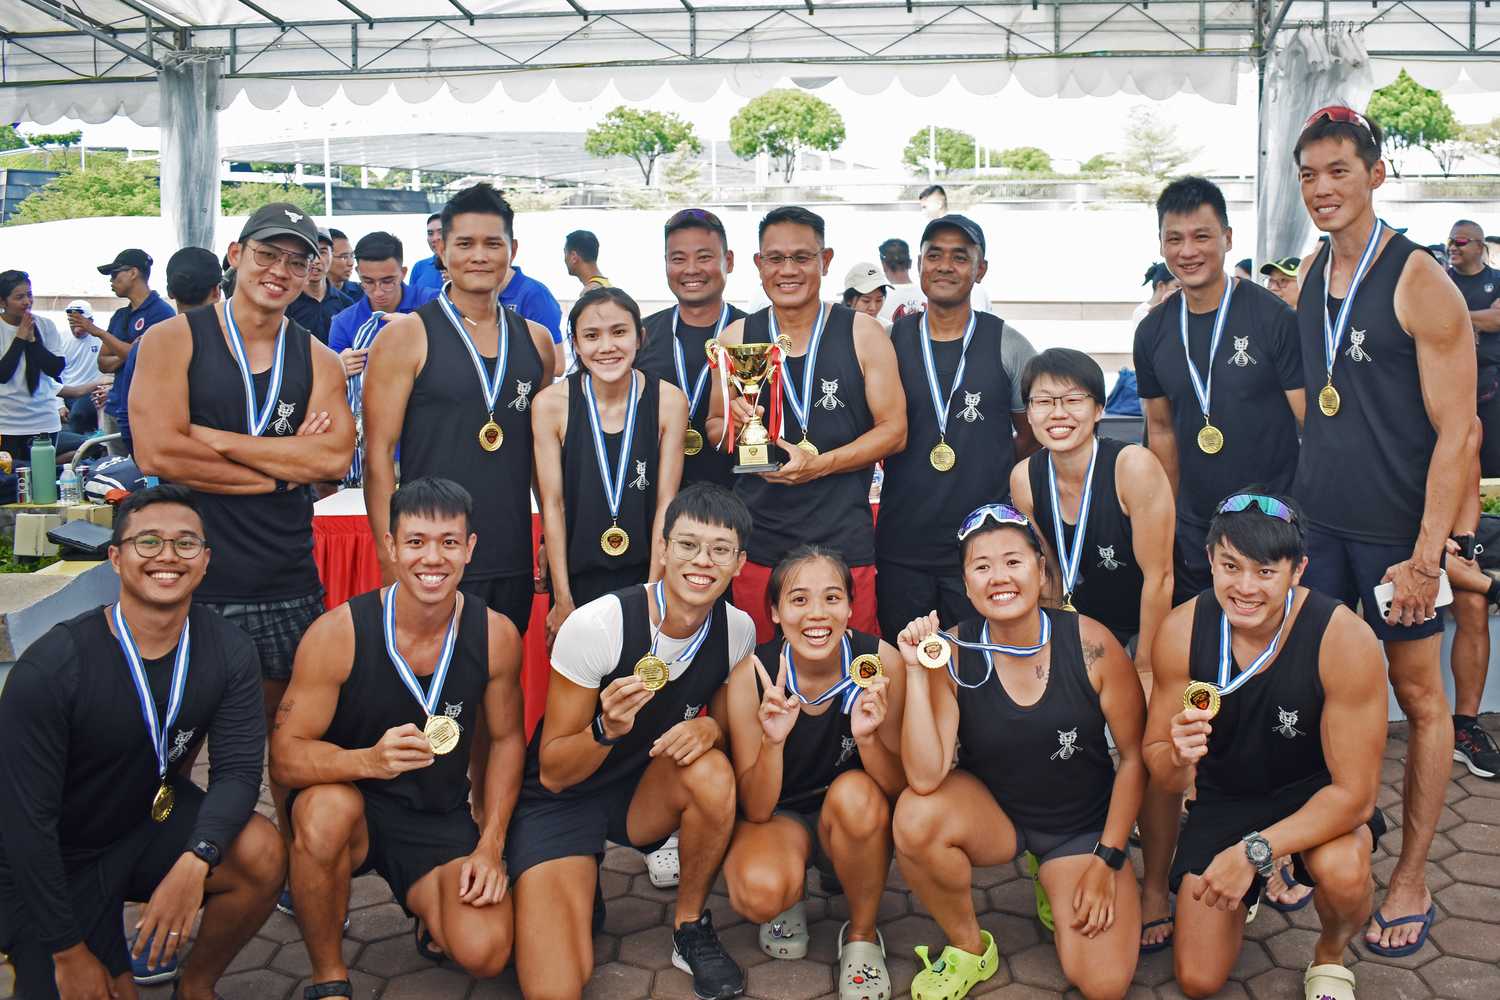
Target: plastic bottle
(70,487)
(43,470)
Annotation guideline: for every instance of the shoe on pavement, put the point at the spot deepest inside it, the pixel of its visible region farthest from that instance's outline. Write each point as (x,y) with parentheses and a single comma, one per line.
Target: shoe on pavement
(1475,749)
(862,971)
(663,866)
(785,935)
(696,950)
(151,975)
(956,972)
(1328,982)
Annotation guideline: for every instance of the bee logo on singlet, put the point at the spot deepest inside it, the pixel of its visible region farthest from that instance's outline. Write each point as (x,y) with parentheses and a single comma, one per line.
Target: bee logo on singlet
(1286,723)
(180,743)
(1356,351)
(1241,357)
(522,400)
(847,746)
(690,712)
(830,399)
(1067,744)
(640,481)
(282,425)
(970,412)
(1107,558)
(453,712)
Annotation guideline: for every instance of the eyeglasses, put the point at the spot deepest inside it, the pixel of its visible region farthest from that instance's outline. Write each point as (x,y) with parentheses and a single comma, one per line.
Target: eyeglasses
(1072,401)
(1339,113)
(384,284)
(344,256)
(267,257)
(1000,513)
(1269,506)
(777,259)
(149,545)
(1460,242)
(719,553)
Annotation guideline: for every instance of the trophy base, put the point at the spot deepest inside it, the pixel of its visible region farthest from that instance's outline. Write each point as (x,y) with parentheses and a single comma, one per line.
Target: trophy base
(755,458)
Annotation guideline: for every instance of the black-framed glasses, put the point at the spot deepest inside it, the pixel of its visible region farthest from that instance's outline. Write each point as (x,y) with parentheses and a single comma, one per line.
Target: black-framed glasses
(384,284)
(720,553)
(778,259)
(1269,506)
(267,257)
(344,256)
(1071,401)
(149,545)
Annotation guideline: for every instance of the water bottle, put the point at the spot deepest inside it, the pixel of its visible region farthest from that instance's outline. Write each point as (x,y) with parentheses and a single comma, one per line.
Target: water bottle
(70,487)
(43,470)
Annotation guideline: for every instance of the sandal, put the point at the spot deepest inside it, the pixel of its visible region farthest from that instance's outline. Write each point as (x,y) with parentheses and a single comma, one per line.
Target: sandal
(1328,982)
(663,866)
(956,972)
(1164,943)
(862,971)
(1425,919)
(785,936)
(1290,881)
(425,947)
(332,988)
(1043,903)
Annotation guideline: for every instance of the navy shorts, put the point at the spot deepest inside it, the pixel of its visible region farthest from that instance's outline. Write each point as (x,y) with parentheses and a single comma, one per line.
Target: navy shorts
(546,829)
(1349,571)
(509,595)
(276,628)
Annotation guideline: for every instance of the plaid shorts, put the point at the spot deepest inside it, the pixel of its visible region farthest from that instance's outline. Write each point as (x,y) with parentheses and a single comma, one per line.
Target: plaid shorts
(276,627)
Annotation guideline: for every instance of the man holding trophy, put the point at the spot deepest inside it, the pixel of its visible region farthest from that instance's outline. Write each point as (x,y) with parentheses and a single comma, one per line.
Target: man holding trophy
(805,451)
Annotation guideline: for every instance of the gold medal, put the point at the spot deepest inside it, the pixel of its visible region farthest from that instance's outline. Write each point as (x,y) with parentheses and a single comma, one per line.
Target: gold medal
(933,652)
(1328,399)
(442,733)
(942,456)
(491,437)
(865,669)
(1203,696)
(1067,604)
(652,670)
(692,442)
(614,541)
(1210,439)
(807,446)
(161,804)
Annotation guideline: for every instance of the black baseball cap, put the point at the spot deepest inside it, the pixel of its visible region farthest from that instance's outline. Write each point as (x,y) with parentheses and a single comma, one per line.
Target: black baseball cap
(1158,274)
(127,258)
(190,270)
(962,223)
(1247,265)
(281,218)
(1286,265)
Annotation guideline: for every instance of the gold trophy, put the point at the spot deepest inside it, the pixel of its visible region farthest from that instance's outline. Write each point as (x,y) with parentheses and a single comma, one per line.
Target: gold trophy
(749,367)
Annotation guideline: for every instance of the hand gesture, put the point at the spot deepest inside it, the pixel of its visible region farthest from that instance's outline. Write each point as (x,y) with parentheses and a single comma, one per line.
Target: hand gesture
(27,328)
(77,324)
(799,467)
(81,976)
(1415,600)
(620,702)
(1190,732)
(168,917)
(316,422)
(403,748)
(1229,875)
(483,880)
(558,614)
(742,410)
(778,713)
(354,360)
(687,741)
(100,393)
(1094,899)
(912,636)
(869,709)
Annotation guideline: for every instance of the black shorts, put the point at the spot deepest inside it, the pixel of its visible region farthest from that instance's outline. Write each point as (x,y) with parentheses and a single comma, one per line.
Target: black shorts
(99,886)
(1349,571)
(276,628)
(903,593)
(1051,846)
(546,829)
(1191,574)
(511,596)
(1214,824)
(407,843)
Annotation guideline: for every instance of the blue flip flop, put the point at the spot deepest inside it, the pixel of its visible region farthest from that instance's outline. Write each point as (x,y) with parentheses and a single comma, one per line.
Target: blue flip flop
(1425,919)
(1164,943)
(1290,881)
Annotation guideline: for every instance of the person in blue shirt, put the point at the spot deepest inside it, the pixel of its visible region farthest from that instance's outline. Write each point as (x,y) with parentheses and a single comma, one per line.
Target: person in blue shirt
(378,260)
(321,300)
(429,272)
(341,266)
(129,274)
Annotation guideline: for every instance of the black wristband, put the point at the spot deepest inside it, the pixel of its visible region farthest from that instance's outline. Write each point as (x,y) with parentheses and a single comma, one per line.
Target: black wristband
(1493,594)
(1111,856)
(598,730)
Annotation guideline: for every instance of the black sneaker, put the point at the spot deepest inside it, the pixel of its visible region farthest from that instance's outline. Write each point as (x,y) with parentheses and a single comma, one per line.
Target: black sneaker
(696,950)
(1475,749)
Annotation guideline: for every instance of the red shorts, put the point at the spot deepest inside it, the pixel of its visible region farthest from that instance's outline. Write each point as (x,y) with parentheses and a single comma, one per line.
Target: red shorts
(750,597)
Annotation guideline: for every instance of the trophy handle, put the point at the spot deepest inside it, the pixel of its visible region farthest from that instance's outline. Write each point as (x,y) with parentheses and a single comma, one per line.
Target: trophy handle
(712,348)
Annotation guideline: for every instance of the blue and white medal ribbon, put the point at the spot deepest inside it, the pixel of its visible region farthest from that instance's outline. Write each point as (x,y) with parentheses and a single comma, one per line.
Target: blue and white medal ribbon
(256,423)
(941,405)
(1226,658)
(429,699)
(156,729)
(614,485)
(1070,559)
(1203,386)
(685,657)
(363,338)
(695,394)
(802,408)
(1333,330)
(845,686)
(988,647)
(490,387)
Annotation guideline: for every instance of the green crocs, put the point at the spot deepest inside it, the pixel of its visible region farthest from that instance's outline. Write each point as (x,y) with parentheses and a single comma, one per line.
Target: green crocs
(1043,904)
(956,972)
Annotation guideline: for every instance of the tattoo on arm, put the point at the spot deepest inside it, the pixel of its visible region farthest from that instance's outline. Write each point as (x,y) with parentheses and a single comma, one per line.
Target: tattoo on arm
(1092,651)
(282,711)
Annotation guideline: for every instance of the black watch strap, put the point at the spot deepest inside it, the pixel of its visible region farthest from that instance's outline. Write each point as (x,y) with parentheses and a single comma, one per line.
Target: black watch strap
(598,731)
(1111,856)
(207,852)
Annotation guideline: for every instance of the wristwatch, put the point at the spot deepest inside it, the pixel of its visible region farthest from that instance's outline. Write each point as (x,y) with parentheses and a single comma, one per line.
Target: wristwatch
(598,730)
(1112,856)
(1258,850)
(207,852)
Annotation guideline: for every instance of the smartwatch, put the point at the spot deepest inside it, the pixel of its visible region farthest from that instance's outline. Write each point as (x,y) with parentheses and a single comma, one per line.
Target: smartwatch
(1258,850)
(598,730)
(207,852)
(1111,856)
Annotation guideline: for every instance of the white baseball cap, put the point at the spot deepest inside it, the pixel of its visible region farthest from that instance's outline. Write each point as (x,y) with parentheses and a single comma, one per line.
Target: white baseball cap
(80,306)
(864,278)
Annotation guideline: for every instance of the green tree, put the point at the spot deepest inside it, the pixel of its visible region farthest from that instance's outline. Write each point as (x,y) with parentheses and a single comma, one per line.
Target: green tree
(641,135)
(243,199)
(1099,163)
(1412,117)
(10,138)
(1026,160)
(1482,140)
(782,123)
(107,187)
(955,150)
(1151,146)
(62,139)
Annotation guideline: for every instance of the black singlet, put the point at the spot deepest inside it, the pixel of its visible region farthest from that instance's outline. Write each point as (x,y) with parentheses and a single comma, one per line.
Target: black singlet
(835,510)
(1480,292)
(374,699)
(1109,582)
(1047,764)
(820,747)
(440,437)
(1363,473)
(1268,734)
(921,508)
(262,544)
(585,509)
(681,699)
(655,359)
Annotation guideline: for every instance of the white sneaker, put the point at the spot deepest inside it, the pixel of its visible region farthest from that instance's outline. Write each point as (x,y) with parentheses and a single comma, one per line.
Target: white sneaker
(663,866)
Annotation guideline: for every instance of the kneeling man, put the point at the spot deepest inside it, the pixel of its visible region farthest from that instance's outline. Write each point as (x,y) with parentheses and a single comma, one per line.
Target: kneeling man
(373,739)
(1270,698)
(96,722)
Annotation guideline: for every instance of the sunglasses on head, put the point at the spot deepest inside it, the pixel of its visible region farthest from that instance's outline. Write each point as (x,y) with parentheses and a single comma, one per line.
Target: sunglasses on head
(1342,114)
(1269,506)
(1000,513)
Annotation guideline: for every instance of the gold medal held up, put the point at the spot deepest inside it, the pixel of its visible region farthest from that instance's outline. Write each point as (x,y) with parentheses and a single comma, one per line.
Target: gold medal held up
(806,445)
(442,733)
(162,802)
(652,671)
(692,442)
(614,541)
(1210,439)
(491,437)
(933,652)
(1328,400)
(865,669)
(1202,696)
(942,456)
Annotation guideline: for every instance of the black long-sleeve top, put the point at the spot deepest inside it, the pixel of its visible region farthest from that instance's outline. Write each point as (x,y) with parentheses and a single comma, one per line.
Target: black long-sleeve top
(39,362)
(77,771)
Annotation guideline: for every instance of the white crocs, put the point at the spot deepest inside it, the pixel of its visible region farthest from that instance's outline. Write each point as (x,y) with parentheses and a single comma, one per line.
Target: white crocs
(862,971)
(662,865)
(786,935)
(1328,982)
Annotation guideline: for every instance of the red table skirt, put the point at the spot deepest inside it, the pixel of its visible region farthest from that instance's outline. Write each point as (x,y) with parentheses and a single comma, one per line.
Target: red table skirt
(348,565)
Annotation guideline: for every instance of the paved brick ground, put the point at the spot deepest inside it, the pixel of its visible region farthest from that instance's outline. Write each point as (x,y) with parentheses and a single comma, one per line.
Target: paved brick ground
(1459,962)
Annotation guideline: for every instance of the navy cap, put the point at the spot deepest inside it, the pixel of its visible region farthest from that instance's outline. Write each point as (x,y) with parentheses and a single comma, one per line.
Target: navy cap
(962,223)
(127,258)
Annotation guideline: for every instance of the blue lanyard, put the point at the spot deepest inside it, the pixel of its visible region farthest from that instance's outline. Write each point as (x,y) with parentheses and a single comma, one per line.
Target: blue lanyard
(1333,332)
(992,647)
(1203,386)
(156,731)
(845,685)
(802,407)
(659,590)
(429,700)
(363,338)
(941,406)
(490,388)
(1070,559)
(695,396)
(256,423)
(614,487)
(1226,658)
